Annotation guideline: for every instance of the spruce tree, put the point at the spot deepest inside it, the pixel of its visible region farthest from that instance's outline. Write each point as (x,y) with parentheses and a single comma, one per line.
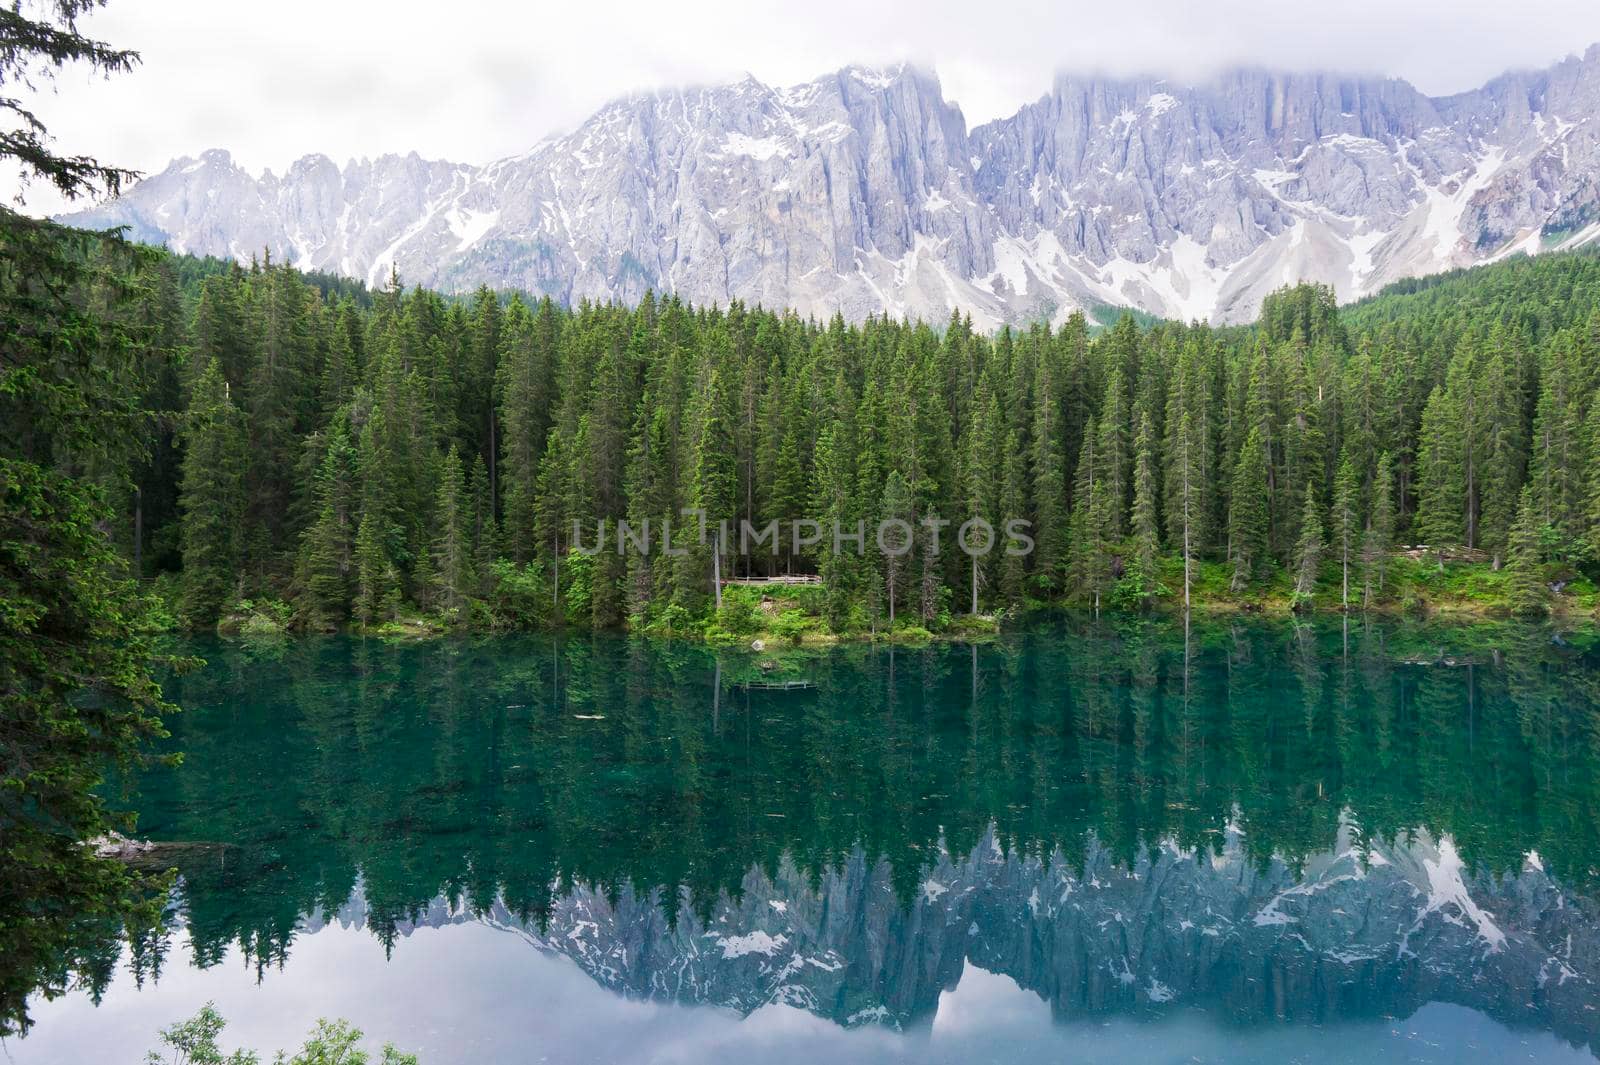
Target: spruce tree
(1503,453)
(1146,541)
(377,584)
(1186,486)
(1049,486)
(893,541)
(983,484)
(1308,551)
(213,497)
(522,414)
(377,580)
(1345,523)
(452,541)
(1378,540)
(551,512)
(1442,497)
(831,508)
(1114,459)
(329,544)
(1248,514)
(1013,563)
(713,492)
(1591,510)
(1091,522)
(1525,586)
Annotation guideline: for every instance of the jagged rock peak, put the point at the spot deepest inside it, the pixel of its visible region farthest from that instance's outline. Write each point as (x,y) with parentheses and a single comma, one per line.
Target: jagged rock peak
(864,192)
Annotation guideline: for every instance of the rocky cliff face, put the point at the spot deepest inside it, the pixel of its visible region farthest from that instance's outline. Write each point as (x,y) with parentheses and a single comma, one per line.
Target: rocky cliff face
(863,192)
(1361,931)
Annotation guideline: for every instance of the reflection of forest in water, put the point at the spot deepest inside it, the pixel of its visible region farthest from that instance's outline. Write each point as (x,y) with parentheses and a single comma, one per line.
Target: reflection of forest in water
(522,777)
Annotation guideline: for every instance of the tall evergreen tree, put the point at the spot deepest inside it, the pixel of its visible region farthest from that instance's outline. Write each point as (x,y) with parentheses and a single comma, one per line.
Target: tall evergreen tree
(1345,521)
(1185,480)
(1308,551)
(213,497)
(328,546)
(452,541)
(1248,515)
(1378,540)
(1146,541)
(1441,479)
(1049,485)
(1091,528)
(1525,583)
(896,538)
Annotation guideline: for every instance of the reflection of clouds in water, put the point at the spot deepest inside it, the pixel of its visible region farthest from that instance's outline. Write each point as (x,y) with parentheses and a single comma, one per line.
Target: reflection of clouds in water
(982,1000)
(471,994)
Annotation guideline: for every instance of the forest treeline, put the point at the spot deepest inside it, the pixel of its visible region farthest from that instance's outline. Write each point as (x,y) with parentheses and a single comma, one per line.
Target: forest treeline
(363,455)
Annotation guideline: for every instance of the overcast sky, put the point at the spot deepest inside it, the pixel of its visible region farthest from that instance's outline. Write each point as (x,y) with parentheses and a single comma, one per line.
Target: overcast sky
(472,80)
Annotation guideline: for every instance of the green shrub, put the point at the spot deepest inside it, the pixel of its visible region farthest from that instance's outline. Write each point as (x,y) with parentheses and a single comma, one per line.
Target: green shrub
(740,614)
(519,596)
(717,636)
(792,625)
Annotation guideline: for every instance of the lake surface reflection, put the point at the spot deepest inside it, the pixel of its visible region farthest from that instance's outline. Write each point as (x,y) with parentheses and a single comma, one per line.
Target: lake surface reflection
(1236,842)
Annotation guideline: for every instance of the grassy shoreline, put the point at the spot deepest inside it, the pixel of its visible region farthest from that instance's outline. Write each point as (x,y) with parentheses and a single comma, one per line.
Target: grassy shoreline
(761,618)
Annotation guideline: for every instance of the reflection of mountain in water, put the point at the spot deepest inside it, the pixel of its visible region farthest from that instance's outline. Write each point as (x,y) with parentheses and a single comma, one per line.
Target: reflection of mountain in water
(1174,813)
(1360,932)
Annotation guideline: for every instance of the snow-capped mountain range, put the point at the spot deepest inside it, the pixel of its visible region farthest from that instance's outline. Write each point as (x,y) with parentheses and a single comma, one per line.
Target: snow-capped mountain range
(864,192)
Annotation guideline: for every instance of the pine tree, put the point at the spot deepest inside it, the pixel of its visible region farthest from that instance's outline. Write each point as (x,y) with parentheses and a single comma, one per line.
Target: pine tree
(1379,538)
(1146,540)
(280,395)
(1345,523)
(1013,563)
(452,542)
(1525,586)
(552,511)
(1591,510)
(329,544)
(1185,482)
(1308,551)
(1114,460)
(483,530)
(1247,516)
(213,497)
(1091,522)
(1443,501)
(377,579)
(983,484)
(895,515)
(831,506)
(340,372)
(522,417)
(221,335)
(1557,467)
(1503,452)
(1049,485)
(377,584)
(713,492)
(787,500)
(479,400)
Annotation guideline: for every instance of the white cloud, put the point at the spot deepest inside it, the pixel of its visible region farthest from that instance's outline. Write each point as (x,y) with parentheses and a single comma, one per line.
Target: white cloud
(474,80)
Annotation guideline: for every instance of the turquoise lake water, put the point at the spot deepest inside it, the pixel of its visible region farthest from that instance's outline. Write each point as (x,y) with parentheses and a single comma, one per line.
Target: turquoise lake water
(1233,842)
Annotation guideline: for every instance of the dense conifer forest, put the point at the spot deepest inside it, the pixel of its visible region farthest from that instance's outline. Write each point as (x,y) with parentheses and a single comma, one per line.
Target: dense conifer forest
(320,455)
